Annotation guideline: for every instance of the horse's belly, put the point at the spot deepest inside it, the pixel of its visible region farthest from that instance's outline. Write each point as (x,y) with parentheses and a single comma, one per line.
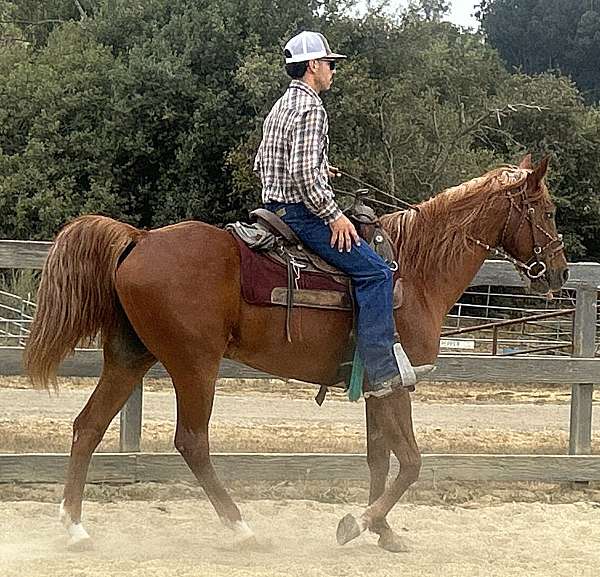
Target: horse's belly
(319,339)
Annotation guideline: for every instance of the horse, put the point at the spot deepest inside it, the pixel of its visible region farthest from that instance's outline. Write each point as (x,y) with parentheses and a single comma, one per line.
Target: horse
(173,295)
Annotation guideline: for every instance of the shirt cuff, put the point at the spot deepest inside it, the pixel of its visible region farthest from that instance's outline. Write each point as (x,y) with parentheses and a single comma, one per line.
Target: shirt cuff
(331,212)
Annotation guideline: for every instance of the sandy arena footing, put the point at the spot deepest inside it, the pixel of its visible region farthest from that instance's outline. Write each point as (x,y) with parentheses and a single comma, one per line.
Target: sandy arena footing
(297,538)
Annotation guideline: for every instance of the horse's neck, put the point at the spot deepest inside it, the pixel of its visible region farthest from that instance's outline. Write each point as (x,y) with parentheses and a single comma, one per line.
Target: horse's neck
(446,282)
(456,279)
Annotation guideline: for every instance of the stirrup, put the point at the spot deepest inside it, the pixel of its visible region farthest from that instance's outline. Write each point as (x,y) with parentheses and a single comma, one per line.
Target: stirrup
(408,376)
(407,373)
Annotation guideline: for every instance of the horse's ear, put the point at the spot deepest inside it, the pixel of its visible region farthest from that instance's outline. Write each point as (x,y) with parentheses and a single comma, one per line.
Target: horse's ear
(538,172)
(541,169)
(526,162)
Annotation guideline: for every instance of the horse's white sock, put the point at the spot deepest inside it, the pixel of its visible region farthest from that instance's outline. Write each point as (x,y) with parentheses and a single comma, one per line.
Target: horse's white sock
(75,530)
(242,531)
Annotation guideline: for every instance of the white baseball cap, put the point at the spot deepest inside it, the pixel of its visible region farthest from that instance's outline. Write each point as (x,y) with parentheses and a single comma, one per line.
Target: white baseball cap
(309,46)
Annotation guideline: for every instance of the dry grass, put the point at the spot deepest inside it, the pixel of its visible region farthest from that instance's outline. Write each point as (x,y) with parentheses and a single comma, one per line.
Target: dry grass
(426,392)
(449,494)
(50,435)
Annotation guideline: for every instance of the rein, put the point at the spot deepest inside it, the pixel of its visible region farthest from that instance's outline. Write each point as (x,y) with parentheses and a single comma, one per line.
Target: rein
(387,195)
(535,267)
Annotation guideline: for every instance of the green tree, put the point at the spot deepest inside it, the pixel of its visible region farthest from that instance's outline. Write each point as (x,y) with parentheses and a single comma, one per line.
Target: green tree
(415,93)
(568,130)
(152,111)
(132,110)
(10,33)
(539,35)
(36,20)
(432,10)
(55,158)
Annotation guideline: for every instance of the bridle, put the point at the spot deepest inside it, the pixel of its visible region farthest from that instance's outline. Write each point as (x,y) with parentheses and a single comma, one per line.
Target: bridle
(520,202)
(545,246)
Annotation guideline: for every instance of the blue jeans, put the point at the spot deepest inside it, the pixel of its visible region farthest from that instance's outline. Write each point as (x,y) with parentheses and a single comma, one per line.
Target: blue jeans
(372,281)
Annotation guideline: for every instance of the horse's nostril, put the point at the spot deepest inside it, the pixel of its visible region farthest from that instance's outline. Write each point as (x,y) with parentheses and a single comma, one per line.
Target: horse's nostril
(565,275)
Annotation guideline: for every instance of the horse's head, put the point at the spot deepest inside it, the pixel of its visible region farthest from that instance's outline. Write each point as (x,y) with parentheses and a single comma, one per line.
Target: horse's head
(530,234)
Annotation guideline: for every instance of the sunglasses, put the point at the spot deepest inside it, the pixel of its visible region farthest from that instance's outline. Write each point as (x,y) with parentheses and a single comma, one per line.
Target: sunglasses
(331,63)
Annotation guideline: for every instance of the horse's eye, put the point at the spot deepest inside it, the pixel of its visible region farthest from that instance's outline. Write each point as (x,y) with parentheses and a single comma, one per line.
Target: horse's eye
(549,214)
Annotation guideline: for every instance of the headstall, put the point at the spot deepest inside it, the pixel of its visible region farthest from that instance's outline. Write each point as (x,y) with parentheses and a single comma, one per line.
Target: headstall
(547,247)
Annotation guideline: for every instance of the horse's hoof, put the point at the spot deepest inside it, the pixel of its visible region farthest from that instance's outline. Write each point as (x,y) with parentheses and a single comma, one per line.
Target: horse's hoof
(348,528)
(392,543)
(250,542)
(79,544)
(253,544)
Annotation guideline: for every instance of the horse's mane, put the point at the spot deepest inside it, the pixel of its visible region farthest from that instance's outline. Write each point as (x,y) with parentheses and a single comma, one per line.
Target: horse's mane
(434,239)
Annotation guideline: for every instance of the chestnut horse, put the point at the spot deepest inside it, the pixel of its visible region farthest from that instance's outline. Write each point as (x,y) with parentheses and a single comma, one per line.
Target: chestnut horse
(173,295)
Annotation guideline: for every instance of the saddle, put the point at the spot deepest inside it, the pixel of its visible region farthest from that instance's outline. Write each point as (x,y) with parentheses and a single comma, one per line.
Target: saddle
(277,269)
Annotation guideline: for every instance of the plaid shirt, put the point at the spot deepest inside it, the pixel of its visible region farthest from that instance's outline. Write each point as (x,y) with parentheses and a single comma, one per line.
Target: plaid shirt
(292,157)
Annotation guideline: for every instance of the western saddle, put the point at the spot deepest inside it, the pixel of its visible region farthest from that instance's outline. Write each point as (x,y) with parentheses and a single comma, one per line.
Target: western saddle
(276,241)
(272,237)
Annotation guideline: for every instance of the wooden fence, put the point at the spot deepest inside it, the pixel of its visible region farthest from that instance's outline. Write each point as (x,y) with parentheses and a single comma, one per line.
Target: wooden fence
(582,372)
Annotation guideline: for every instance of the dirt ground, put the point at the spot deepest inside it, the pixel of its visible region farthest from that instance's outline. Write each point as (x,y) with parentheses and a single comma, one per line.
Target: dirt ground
(297,538)
(170,530)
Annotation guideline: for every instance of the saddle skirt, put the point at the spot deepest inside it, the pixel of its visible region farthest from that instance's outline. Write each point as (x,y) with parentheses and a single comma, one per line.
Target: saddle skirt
(277,269)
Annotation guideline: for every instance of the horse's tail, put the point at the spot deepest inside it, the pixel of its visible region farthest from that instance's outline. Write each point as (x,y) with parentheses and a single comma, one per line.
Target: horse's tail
(77,296)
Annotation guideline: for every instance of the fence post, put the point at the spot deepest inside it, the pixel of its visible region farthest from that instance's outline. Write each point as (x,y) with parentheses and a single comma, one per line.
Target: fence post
(584,345)
(131,422)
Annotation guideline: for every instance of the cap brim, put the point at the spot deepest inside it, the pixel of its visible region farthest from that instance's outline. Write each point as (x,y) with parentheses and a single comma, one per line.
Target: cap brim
(314,56)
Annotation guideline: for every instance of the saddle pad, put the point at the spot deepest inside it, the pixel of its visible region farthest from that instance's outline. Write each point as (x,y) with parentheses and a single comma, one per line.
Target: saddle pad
(260,275)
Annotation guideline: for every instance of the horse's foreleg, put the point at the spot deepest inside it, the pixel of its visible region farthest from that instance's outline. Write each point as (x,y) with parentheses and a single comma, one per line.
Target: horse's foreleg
(394,420)
(378,459)
(112,391)
(195,392)
(378,453)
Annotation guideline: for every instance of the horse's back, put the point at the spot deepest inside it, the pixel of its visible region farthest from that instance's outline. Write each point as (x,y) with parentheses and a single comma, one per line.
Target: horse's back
(191,247)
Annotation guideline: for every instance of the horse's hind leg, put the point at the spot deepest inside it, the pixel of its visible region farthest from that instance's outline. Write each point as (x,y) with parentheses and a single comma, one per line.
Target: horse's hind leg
(195,390)
(126,361)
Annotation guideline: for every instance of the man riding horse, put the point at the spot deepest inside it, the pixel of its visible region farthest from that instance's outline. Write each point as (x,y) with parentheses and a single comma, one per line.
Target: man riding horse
(174,295)
(294,170)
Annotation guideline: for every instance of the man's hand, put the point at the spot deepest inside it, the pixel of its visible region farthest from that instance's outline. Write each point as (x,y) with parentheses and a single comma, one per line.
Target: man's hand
(343,233)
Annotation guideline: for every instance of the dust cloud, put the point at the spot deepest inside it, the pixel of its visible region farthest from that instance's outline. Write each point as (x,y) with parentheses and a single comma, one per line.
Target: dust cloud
(297,538)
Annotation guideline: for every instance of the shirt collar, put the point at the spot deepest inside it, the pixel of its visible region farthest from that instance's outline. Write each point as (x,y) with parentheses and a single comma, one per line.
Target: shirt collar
(306,88)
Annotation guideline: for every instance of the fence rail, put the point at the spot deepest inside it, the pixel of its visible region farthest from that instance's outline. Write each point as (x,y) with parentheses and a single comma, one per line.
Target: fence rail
(581,371)
(278,467)
(470,368)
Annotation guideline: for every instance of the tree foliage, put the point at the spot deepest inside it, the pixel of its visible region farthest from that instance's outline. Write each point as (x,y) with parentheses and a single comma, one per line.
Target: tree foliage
(539,35)
(151,111)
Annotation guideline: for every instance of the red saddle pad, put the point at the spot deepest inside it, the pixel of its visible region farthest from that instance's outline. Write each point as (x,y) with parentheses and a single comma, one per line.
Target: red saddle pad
(260,275)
